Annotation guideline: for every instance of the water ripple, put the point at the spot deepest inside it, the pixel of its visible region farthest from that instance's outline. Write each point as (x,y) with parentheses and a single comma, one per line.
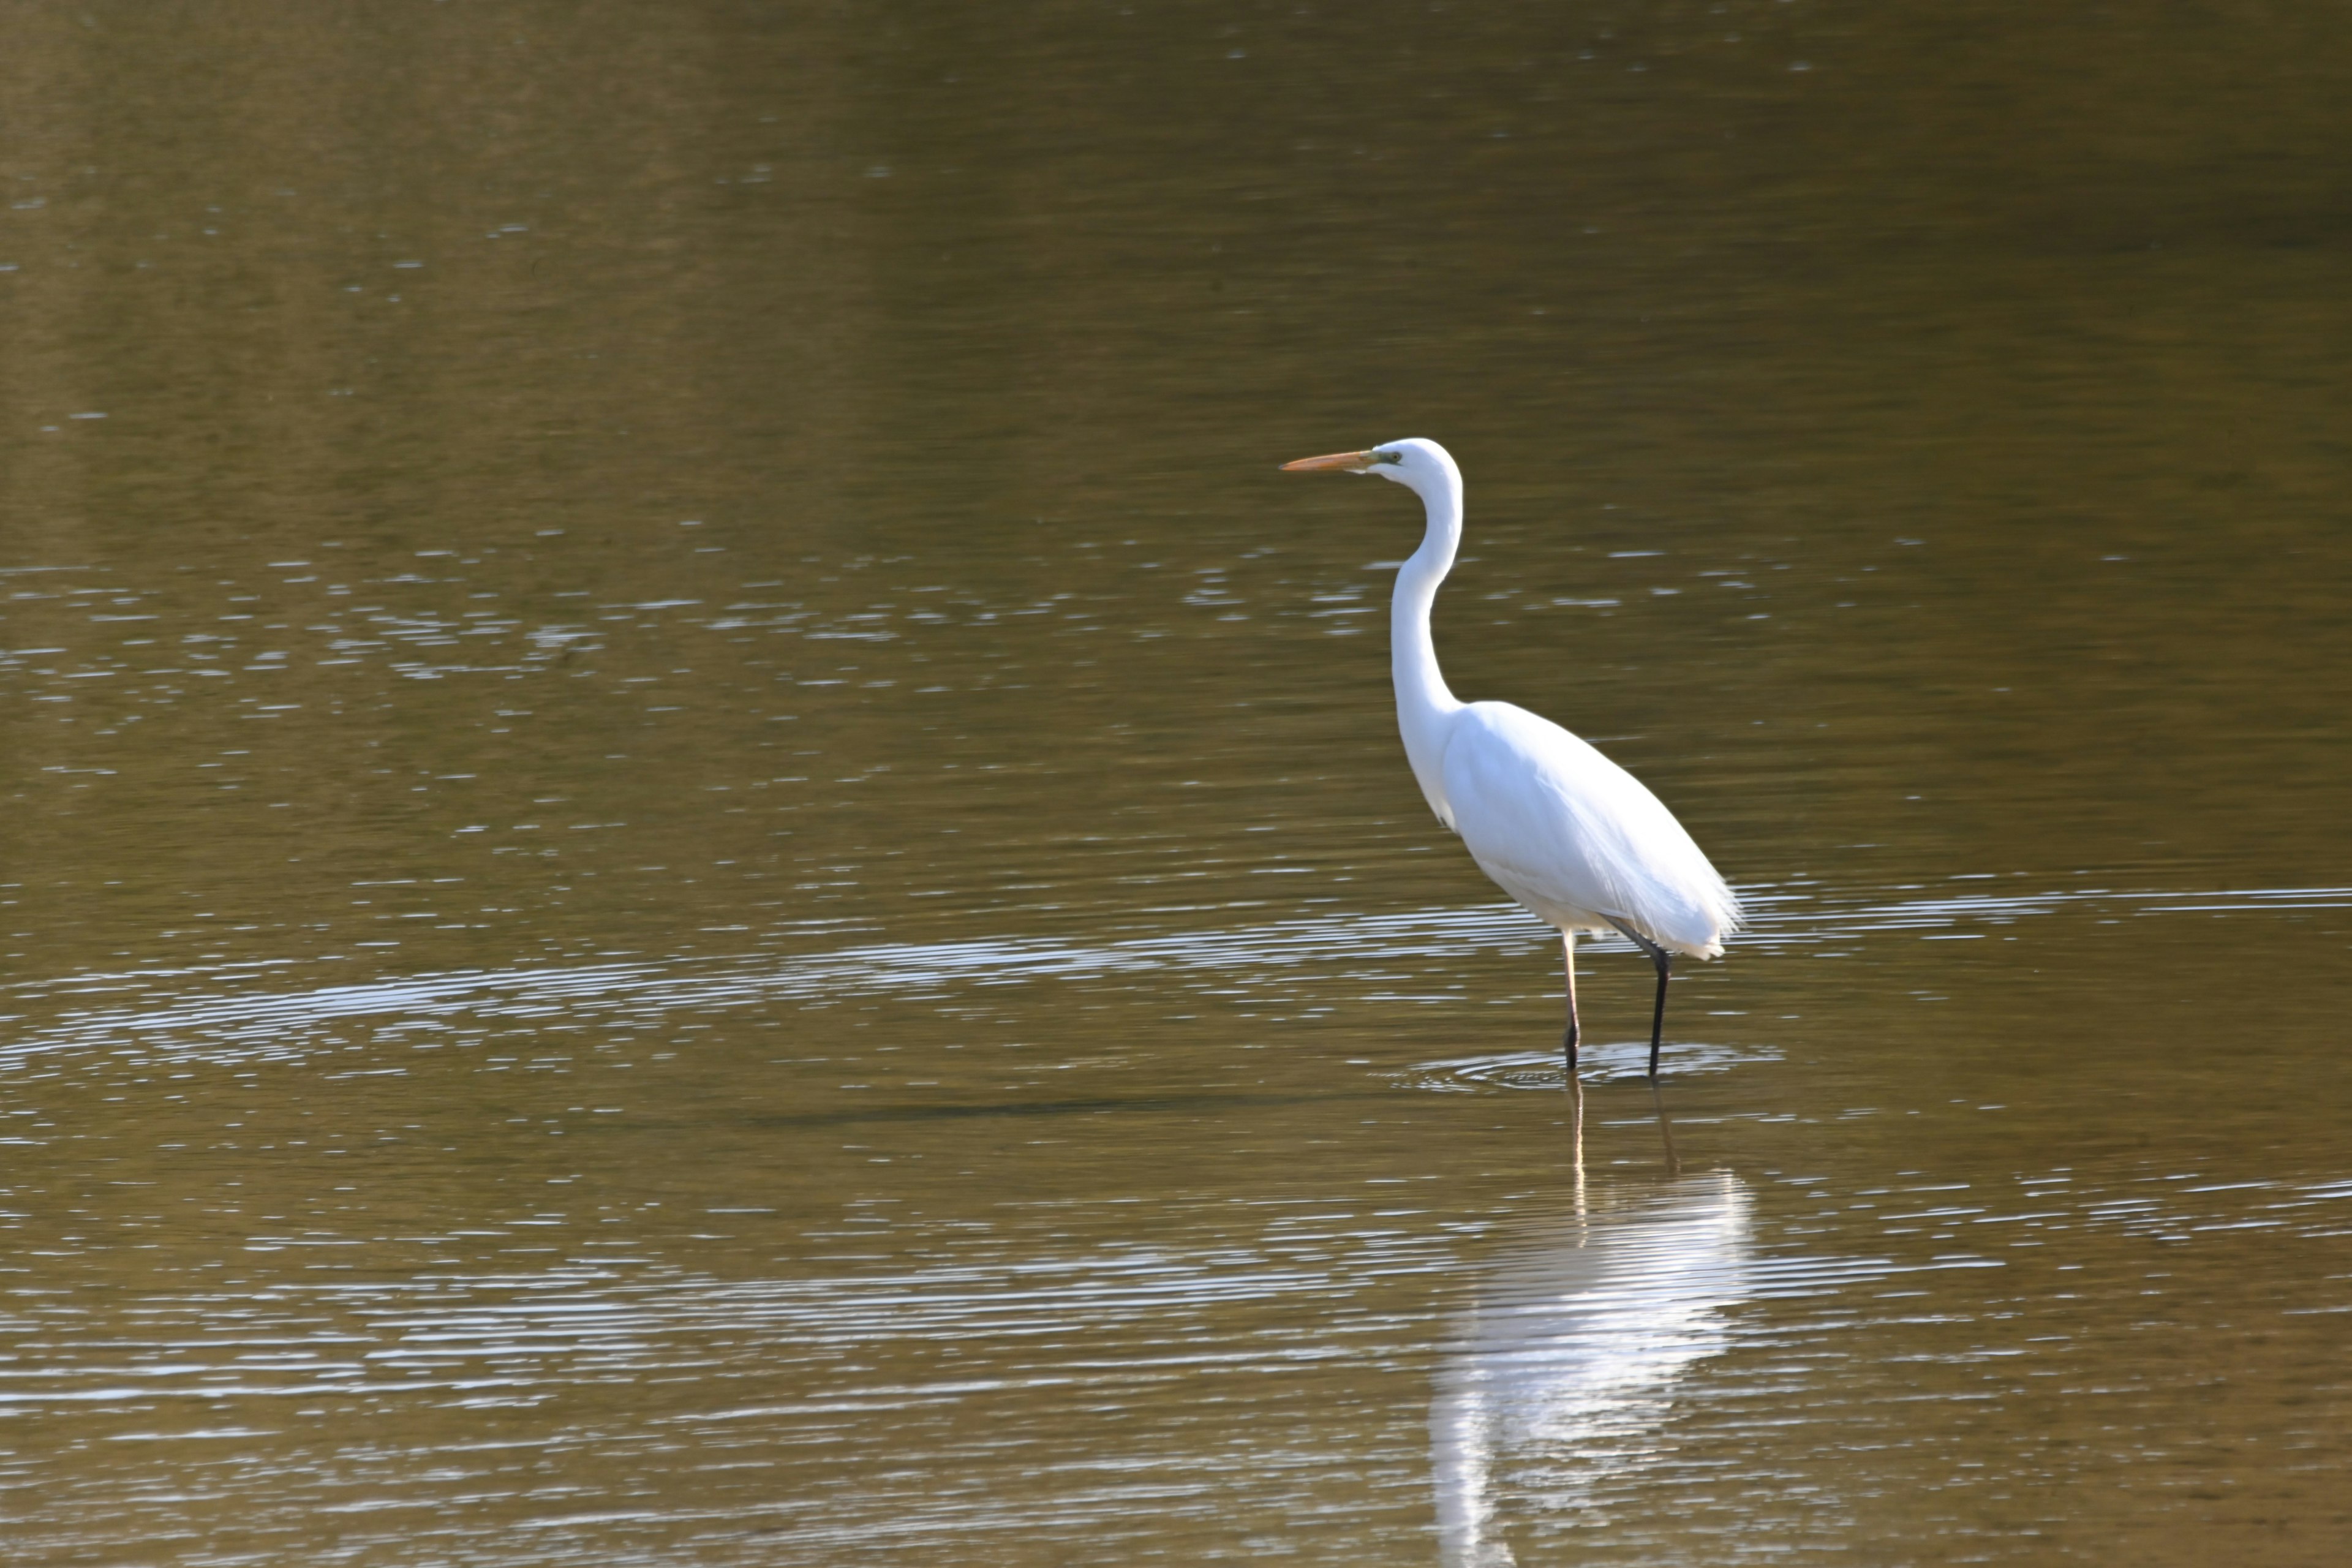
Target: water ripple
(1595,1064)
(1377,958)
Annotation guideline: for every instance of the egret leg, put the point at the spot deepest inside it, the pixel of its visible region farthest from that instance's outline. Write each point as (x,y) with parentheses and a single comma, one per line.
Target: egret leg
(1568,1046)
(1665,965)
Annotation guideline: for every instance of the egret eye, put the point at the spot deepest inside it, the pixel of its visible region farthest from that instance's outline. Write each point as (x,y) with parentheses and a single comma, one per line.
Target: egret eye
(1388,457)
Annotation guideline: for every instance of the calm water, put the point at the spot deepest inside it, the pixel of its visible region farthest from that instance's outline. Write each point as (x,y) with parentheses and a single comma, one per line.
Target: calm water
(703,868)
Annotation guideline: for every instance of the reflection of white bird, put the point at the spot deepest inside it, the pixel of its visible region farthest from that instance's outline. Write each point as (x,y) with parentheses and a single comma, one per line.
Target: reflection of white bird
(1564,830)
(1569,1359)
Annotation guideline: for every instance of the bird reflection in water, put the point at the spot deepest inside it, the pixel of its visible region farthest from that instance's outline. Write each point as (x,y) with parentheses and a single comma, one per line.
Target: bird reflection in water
(1566,1365)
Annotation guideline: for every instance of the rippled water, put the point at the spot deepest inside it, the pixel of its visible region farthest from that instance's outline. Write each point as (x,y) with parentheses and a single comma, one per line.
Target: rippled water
(1569,1361)
(1309,964)
(705,868)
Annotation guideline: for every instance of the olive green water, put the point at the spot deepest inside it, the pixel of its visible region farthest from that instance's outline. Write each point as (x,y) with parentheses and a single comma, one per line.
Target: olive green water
(703,868)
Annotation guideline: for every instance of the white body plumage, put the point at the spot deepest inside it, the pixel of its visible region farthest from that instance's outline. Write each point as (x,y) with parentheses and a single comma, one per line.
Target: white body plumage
(1575,837)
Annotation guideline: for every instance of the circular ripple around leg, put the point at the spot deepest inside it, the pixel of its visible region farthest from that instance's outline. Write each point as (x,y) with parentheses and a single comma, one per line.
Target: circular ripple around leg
(1600,1063)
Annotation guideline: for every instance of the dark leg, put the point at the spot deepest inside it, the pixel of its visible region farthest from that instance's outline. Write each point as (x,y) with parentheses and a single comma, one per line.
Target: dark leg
(1665,964)
(1568,1046)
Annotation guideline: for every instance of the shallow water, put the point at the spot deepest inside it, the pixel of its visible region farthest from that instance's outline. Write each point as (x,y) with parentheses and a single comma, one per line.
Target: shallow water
(707,868)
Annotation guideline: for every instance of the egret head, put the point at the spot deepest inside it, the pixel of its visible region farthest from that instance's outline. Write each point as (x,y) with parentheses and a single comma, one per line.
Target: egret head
(1420,466)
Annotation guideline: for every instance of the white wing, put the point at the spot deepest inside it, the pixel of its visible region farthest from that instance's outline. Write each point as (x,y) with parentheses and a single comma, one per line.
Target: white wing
(1574,836)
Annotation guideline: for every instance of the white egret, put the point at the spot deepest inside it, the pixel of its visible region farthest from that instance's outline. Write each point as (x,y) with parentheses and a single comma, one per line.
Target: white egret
(1559,826)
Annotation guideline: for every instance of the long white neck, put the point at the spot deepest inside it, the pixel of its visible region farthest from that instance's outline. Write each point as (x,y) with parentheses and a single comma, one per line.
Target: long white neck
(1424,707)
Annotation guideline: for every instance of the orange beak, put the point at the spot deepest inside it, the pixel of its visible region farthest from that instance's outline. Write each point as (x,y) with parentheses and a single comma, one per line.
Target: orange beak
(1351,462)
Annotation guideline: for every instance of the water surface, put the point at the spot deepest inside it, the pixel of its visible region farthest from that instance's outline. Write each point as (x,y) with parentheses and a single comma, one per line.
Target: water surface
(704,867)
